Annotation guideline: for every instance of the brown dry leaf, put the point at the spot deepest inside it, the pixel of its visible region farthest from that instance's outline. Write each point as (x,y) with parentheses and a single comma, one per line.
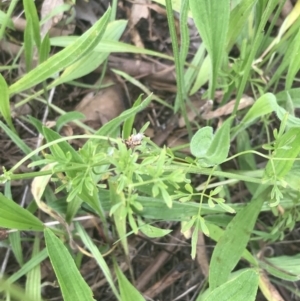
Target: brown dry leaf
(227,109)
(47,7)
(20,25)
(102,107)
(201,254)
(268,289)
(138,11)
(159,71)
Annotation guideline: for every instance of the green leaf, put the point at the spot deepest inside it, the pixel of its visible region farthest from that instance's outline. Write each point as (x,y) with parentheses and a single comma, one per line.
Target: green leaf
(15,243)
(152,231)
(294,61)
(68,117)
(233,242)
(212,21)
(211,149)
(82,46)
(239,16)
(44,49)
(98,257)
(3,17)
(241,288)
(110,46)
(127,290)
(28,44)
(93,60)
(128,123)
(287,149)
(72,285)
(110,127)
(266,104)
(120,213)
(28,266)
(219,147)
(4,103)
(200,141)
(33,278)
(282,267)
(61,149)
(31,13)
(13,216)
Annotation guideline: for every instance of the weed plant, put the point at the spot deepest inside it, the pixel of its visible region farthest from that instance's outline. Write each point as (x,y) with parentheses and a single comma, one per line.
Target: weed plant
(121,174)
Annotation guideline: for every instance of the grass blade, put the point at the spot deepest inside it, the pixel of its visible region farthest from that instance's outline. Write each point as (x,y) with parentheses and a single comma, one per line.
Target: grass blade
(233,242)
(98,257)
(4,103)
(82,46)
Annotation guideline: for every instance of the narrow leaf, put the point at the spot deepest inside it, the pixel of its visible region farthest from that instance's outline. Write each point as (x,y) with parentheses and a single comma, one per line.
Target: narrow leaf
(127,290)
(233,242)
(83,45)
(4,103)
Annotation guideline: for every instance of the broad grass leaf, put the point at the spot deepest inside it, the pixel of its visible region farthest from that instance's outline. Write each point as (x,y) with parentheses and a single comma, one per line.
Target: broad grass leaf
(71,283)
(109,46)
(93,60)
(33,277)
(294,61)
(82,46)
(4,103)
(16,246)
(212,21)
(5,19)
(203,75)
(13,216)
(266,104)
(194,69)
(238,18)
(293,93)
(14,291)
(284,268)
(287,149)
(232,243)
(28,44)
(293,176)
(31,13)
(44,49)
(241,288)
(127,290)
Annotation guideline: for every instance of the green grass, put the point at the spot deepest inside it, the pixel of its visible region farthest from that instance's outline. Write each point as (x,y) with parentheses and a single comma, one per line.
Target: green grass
(144,184)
